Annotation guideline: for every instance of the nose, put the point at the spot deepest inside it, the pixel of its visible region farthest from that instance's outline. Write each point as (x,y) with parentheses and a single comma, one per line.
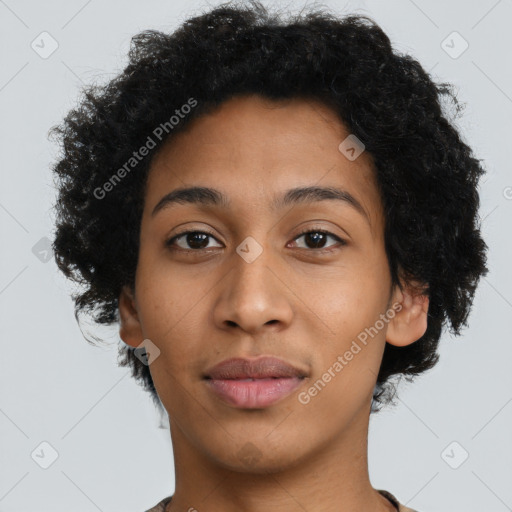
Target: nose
(254,294)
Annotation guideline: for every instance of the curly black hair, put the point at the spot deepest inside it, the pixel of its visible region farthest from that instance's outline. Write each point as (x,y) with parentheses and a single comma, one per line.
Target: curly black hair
(427,175)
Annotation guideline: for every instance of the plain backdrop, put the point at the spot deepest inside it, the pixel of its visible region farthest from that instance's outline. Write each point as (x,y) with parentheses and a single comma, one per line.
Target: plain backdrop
(110,449)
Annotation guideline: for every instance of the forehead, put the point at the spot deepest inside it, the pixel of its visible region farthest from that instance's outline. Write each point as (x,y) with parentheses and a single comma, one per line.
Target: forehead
(252,148)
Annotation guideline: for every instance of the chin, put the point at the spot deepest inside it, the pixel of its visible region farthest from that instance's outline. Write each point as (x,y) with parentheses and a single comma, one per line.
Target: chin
(255,458)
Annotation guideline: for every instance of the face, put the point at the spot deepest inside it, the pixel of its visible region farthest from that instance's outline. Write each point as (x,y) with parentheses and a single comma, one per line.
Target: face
(248,282)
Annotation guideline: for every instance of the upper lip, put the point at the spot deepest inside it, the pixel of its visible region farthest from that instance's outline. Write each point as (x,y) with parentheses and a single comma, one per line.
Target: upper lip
(260,368)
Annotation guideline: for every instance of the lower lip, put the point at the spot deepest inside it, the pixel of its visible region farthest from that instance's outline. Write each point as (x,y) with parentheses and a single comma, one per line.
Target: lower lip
(253,394)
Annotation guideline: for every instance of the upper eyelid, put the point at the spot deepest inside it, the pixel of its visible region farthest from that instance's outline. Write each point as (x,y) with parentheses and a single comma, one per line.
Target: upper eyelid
(190,231)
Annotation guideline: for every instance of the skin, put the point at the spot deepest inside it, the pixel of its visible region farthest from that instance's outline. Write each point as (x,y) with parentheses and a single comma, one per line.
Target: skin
(290,302)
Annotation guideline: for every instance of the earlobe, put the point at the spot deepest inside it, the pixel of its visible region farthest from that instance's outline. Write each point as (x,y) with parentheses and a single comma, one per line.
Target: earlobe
(410,321)
(130,329)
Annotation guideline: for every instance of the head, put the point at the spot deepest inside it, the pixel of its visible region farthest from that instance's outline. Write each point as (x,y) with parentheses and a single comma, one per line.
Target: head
(240,101)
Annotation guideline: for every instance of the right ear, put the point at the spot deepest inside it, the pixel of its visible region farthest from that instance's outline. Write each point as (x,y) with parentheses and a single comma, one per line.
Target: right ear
(130,329)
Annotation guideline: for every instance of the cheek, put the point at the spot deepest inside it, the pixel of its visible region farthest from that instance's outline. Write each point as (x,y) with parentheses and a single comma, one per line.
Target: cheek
(166,298)
(351,301)
(352,325)
(348,361)
(172,314)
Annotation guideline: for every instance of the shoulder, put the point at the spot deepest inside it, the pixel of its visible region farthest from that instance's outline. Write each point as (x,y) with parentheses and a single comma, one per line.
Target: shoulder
(396,503)
(160,506)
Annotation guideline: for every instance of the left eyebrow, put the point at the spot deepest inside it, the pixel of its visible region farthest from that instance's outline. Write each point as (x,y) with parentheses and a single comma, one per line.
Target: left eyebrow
(207,196)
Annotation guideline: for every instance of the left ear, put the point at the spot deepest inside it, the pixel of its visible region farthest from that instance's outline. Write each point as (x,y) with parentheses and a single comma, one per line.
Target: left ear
(410,322)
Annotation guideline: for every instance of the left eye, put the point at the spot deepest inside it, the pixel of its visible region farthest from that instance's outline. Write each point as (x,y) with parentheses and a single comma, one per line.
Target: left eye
(317,236)
(196,239)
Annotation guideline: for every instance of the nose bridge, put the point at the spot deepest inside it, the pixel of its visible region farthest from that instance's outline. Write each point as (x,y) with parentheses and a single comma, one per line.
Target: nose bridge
(252,294)
(251,275)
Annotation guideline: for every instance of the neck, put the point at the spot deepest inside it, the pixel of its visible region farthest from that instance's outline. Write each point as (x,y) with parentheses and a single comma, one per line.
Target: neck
(333,478)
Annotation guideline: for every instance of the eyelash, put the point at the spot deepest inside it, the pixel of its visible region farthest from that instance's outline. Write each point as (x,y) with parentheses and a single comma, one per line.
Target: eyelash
(170,241)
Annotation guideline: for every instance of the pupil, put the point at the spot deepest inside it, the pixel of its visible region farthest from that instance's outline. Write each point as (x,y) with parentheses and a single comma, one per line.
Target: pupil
(197,246)
(315,235)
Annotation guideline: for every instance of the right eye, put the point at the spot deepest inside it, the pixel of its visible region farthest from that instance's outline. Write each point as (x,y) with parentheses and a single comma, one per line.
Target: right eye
(195,240)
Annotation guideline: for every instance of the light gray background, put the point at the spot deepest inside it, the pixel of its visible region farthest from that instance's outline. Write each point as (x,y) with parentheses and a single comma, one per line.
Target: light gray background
(57,388)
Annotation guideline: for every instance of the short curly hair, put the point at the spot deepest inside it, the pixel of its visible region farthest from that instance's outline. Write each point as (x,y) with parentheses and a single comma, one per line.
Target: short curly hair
(427,175)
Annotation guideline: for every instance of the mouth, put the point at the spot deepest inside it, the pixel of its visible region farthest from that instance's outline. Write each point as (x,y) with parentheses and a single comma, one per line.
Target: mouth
(253,383)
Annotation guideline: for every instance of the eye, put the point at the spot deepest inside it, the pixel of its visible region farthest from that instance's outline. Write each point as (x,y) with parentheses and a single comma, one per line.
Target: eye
(195,239)
(317,238)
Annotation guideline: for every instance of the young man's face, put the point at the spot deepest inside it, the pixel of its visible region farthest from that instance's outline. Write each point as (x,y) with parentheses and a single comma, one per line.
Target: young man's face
(258,287)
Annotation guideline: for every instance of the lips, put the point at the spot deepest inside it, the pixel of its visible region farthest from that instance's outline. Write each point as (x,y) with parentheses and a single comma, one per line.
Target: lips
(253,383)
(261,368)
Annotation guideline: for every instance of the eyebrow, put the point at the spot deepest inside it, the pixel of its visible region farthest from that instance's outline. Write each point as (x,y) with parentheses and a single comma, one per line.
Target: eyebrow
(212,197)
